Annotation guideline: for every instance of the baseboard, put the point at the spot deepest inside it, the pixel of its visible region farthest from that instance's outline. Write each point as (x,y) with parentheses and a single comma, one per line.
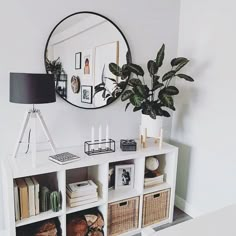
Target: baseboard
(186,207)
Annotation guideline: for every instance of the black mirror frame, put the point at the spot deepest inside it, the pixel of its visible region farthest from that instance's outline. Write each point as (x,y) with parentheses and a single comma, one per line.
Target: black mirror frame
(129,59)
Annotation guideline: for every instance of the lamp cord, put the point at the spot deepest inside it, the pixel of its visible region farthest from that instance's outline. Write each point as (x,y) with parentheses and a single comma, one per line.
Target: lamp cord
(28,142)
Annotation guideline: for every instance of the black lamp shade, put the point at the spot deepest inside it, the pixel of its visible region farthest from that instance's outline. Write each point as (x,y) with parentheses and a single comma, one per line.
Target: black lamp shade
(32,88)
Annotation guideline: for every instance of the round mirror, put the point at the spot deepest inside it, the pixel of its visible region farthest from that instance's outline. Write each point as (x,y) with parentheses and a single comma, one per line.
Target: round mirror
(78,52)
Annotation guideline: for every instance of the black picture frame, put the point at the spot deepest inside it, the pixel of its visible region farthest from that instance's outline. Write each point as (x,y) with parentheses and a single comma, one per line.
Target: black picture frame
(90,90)
(78,64)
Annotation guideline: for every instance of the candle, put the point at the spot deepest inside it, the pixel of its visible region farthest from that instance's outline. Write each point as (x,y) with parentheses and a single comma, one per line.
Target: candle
(92,137)
(99,136)
(107,136)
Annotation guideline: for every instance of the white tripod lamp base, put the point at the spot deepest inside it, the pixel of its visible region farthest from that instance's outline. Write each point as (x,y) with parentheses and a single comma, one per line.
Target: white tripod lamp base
(31,117)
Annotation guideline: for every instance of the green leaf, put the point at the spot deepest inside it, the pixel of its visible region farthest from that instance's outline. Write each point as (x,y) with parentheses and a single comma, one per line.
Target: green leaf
(156,78)
(152,67)
(157,85)
(171,90)
(158,109)
(125,72)
(172,108)
(135,82)
(140,91)
(165,113)
(136,69)
(128,57)
(111,79)
(152,113)
(136,100)
(115,69)
(181,65)
(166,100)
(147,90)
(110,100)
(99,85)
(178,60)
(104,94)
(99,89)
(168,75)
(137,109)
(122,85)
(126,95)
(160,56)
(186,77)
(127,105)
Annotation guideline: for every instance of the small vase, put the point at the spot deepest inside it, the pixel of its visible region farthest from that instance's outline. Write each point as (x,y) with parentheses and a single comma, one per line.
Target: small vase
(153,126)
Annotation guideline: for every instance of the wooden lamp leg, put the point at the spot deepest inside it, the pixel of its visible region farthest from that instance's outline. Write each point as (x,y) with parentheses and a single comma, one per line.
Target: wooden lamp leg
(161,139)
(145,138)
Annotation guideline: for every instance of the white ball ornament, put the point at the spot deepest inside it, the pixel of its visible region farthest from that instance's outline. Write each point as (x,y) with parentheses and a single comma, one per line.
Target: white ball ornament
(152,163)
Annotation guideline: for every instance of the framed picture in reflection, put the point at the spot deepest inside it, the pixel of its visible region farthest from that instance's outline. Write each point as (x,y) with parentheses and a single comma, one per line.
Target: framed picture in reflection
(87,94)
(78,61)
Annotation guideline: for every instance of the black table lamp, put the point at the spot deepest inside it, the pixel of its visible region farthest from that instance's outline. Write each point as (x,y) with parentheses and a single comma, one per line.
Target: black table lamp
(32,89)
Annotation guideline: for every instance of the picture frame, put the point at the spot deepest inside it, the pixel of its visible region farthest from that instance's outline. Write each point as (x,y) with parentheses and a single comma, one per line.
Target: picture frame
(124,176)
(87,94)
(78,61)
(87,63)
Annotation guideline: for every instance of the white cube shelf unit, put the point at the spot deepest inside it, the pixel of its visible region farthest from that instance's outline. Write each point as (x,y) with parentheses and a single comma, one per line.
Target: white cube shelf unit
(95,168)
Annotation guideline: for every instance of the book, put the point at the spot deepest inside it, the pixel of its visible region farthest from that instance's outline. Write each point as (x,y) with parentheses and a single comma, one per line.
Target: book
(64,158)
(16,202)
(83,198)
(80,194)
(153,183)
(31,196)
(160,177)
(82,186)
(24,199)
(81,203)
(36,195)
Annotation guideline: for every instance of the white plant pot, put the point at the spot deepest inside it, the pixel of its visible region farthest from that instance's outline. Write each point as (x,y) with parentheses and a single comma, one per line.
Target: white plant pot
(153,126)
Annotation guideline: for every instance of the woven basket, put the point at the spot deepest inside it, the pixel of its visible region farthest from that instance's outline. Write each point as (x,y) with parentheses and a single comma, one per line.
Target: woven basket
(155,207)
(123,216)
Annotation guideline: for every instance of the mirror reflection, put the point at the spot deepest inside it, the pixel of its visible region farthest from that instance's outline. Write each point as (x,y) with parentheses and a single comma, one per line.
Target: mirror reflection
(78,53)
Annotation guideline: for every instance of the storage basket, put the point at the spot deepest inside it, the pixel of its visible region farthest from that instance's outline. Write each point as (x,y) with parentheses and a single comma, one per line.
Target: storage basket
(155,207)
(123,216)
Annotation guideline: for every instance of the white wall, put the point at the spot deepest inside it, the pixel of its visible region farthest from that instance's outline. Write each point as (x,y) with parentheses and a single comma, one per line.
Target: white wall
(25,26)
(204,124)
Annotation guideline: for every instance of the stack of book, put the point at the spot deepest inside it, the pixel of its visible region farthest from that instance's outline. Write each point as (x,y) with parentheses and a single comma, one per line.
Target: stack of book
(81,193)
(158,179)
(26,198)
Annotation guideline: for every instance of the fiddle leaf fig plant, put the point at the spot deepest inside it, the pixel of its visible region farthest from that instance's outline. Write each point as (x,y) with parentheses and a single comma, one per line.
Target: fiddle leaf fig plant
(154,100)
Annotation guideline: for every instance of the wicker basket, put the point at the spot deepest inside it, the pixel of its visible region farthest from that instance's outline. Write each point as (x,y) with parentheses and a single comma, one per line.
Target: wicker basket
(123,216)
(155,207)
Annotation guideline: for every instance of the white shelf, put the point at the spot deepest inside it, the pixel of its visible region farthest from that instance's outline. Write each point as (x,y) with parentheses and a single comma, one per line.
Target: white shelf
(22,166)
(42,216)
(156,188)
(118,195)
(95,168)
(100,202)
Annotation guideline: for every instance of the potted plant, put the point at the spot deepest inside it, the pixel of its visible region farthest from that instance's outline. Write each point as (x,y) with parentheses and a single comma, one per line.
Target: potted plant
(155,100)
(54,67)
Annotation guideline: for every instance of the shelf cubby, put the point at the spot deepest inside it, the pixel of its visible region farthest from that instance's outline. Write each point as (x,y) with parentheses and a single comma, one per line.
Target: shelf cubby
(53,185)
(120,194)
(96,173)
(30,229)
